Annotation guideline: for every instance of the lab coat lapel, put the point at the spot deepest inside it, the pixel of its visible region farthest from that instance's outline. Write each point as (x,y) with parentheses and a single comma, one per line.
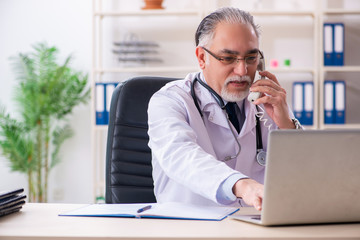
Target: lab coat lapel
(209,107)
(216,115)
(250,121)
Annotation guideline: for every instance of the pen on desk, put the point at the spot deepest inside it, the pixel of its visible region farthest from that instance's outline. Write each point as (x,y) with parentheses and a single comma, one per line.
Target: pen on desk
(144,209)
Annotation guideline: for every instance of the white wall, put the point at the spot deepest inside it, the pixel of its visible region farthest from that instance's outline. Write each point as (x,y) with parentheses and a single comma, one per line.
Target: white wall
(65,24)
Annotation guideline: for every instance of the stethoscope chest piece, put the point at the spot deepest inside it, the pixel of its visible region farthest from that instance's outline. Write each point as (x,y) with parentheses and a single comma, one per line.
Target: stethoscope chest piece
(261,157)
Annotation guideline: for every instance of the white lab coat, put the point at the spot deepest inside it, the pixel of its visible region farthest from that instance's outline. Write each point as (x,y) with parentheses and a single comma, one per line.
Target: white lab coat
(187,150)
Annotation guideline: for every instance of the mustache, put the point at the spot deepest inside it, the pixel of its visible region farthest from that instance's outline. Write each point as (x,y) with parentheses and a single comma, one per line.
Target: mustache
(238,79)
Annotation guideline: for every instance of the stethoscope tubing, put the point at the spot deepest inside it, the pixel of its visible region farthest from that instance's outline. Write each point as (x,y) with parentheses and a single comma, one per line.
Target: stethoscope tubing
(260,153)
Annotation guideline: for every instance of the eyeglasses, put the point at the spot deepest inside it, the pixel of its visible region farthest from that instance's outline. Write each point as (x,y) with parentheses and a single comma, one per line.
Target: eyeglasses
(249,59)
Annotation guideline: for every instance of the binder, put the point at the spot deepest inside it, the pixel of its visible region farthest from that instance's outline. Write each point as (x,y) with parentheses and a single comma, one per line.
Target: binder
(328,44)
(103,94)
(308,103)
(334,38)
(340,102)
(298,102)
(303,102)
(100,104)
(109,90)
(338,44)
(168,210)
(329,95)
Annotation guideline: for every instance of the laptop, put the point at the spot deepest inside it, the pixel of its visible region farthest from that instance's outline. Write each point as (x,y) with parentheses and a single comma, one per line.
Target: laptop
(311,177)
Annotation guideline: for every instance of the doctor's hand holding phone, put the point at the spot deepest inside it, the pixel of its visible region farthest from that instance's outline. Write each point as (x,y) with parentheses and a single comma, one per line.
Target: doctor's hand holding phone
(267,91)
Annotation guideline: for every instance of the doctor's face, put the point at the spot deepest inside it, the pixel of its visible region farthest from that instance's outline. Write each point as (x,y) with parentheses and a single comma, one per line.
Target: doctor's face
(230,60)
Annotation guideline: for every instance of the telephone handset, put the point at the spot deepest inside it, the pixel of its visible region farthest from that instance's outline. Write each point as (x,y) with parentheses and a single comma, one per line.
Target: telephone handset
(261,67)
(255,95)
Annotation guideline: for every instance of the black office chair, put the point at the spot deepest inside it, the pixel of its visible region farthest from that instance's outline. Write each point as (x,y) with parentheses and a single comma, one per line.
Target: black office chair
(128,157)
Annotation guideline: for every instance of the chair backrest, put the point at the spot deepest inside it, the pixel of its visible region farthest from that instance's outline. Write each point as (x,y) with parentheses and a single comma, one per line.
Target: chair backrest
(128,157)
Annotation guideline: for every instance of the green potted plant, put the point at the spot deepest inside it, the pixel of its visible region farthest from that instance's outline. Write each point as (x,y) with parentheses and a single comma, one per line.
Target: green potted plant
(45,94)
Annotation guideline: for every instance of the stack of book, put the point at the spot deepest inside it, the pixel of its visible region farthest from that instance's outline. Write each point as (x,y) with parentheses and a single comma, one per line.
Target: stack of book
(11,201)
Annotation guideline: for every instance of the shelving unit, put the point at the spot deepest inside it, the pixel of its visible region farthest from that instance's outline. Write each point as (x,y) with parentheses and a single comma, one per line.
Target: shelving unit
(100,69)
(326,14)
(311,19)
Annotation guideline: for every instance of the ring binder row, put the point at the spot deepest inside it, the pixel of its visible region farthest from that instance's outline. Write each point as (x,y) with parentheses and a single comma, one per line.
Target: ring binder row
(334,35)
(103,93)
(303,102)
(334,102)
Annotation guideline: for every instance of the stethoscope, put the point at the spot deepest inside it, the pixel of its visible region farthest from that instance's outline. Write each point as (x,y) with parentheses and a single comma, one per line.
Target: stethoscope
(260,153)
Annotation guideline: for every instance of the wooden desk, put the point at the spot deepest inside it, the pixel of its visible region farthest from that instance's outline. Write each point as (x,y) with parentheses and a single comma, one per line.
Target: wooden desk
(41,221)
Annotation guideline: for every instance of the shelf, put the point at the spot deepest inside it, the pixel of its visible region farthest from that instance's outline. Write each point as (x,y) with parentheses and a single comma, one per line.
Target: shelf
(282,13)
(341,126)
(101,127)
(341,11)
(146,69)
(291,70)
(147,13)
(342,69)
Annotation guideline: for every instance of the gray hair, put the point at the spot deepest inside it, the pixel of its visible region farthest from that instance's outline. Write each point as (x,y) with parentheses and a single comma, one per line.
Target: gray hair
(206,29)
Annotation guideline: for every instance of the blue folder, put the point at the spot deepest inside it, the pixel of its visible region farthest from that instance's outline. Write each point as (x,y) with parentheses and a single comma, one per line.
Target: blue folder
(340,101)
(298,102)
(100,106)
(303,102)
(334,102)
(338,53)
(308,113)
(333,42)
(328,44)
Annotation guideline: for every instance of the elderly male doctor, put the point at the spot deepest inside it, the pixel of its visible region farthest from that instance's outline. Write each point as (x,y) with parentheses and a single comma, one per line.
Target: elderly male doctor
(198,156)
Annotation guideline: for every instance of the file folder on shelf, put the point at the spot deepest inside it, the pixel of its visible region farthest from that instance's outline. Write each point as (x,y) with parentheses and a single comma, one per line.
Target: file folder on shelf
(328,44)
(338,44)
(334,102)
(303,102)
(109,90)
(308,104)
(103,96)
(100,104)
(298,102)
(329,102)
(334,35)
(340,102)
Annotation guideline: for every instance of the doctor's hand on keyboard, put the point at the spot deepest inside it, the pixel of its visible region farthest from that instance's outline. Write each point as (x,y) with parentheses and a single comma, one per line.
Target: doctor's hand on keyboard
(250,191)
